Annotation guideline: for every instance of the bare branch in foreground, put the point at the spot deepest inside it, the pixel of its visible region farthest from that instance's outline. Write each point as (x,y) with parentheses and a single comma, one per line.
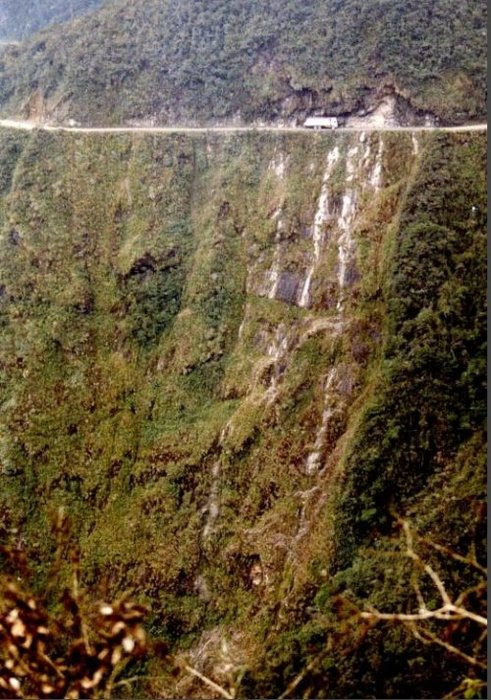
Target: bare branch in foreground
(450,611)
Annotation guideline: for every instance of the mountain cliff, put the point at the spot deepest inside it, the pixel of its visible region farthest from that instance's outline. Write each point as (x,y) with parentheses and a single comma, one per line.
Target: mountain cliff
(191,62)
(236,360)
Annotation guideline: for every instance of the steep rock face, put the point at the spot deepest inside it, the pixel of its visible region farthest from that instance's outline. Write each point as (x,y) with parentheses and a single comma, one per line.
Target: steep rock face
(225,356)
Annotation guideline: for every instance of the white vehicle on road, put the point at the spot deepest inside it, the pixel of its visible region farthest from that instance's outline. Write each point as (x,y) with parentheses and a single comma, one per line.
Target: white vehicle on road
(321,123)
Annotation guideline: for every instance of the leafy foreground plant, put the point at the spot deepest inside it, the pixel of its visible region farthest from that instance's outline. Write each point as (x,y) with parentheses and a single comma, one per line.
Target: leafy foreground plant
(84,648)
(62,643)
(68,645)
(80,652)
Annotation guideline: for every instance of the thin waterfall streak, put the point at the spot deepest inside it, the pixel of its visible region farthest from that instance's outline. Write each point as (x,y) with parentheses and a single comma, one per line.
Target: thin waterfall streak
(320,220)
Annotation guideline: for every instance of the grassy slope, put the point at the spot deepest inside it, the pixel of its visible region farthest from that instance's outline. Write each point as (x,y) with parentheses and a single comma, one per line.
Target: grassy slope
(199,62)
(125,262)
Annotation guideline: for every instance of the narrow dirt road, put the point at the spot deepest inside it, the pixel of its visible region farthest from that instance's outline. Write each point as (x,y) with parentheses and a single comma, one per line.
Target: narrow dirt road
(29,126)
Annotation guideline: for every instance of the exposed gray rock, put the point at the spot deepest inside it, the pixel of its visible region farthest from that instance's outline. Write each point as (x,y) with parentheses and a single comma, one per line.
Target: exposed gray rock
(287,289)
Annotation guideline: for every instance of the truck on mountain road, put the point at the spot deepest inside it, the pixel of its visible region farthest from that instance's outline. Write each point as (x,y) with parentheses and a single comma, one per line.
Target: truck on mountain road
(318,123)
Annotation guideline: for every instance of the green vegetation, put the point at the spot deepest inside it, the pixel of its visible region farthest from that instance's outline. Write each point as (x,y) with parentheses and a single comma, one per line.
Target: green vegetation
(152,387)
(420,443)
(195,62)
(431,396)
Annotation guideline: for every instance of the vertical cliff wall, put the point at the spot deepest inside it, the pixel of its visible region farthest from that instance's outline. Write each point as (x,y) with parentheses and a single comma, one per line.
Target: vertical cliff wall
(230,358)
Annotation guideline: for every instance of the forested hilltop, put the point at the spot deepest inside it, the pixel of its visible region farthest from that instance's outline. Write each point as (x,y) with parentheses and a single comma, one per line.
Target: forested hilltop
(244,60)
(21,18)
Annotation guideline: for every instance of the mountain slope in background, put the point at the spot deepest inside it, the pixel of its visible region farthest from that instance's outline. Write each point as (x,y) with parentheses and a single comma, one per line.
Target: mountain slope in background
(21,18)
(232,359)
(235,60)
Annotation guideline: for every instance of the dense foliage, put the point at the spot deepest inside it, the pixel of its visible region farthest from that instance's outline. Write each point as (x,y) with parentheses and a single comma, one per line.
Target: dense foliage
(144,390)
(420,445)
(432,393)
(191,61)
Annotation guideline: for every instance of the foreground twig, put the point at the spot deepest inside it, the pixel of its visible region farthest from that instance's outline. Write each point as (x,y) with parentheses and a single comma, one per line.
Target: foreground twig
(211,684)
(449,611)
